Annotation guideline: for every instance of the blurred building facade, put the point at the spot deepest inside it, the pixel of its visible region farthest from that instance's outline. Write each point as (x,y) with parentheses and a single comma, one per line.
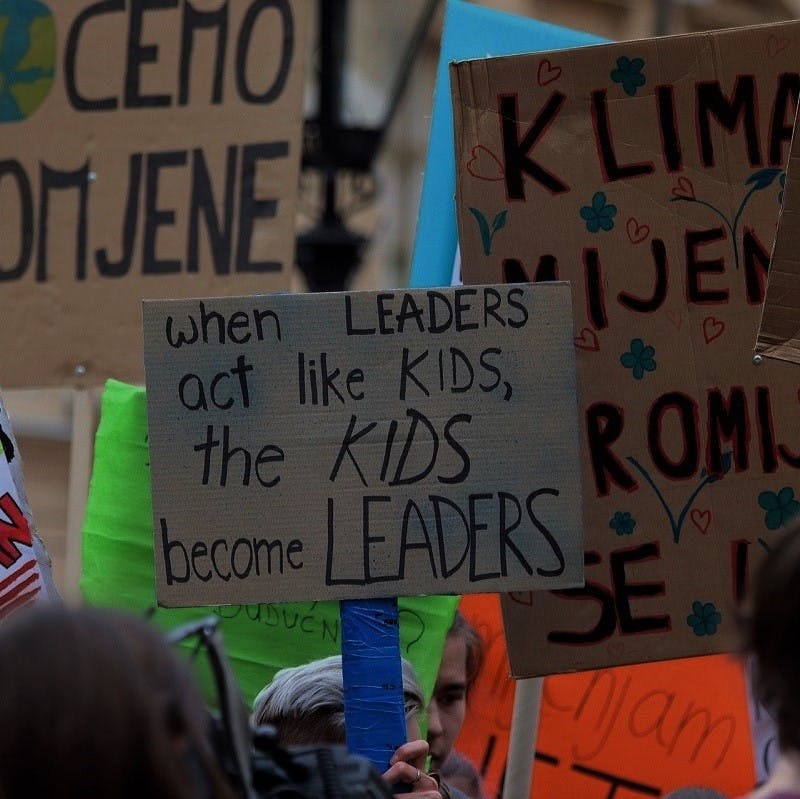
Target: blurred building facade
(383,210)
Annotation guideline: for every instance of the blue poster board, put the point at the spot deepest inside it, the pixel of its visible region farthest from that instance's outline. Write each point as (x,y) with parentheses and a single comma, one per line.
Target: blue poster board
(470,31)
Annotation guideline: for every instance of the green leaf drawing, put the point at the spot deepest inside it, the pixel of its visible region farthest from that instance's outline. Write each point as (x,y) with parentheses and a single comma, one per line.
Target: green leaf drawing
(763,178)
(499,221)
(487,233)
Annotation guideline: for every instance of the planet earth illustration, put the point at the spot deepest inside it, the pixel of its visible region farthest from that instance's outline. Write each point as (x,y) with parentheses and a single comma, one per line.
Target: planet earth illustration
(27,57)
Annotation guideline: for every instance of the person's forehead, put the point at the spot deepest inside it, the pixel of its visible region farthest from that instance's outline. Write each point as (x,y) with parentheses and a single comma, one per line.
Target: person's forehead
(453,668)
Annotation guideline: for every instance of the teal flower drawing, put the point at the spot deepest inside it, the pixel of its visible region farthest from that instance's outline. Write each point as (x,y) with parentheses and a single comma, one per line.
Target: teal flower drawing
(639,359)
(622,523)
(600,214)
(780,507)
(629,74)
(704,618)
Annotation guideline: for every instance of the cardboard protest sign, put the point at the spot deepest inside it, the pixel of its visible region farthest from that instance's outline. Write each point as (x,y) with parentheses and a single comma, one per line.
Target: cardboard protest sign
(21,578)
(470,30)
(632,731)
(648,173)
(47,588)
(779,332)
(151,150)
(119,569)
(356,445)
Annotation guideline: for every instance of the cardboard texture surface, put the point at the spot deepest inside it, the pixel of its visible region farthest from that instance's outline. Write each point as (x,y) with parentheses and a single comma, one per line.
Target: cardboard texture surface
(628,731)
(648,173)
(470,31)
(360,445)
(779,332)
(119,571)
(150,152)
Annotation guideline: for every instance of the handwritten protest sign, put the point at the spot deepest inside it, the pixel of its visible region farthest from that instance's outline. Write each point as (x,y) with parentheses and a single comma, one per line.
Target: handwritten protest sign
(779,332)
(363,444)
(22,579)
(119,570)
(632,731)
(648,173)
(151,150)
(470,30)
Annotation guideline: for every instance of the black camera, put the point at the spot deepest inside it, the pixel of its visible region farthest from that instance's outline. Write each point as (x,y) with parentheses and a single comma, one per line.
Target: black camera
(257,765)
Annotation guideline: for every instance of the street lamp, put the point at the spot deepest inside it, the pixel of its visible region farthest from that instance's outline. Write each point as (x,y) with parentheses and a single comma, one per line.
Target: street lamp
(344,133)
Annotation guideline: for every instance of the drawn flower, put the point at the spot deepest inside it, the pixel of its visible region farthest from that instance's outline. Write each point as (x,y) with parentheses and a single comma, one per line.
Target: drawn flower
(599,214)
(629,74)
(640,358)
(704,618)
(622,523)
(780,508)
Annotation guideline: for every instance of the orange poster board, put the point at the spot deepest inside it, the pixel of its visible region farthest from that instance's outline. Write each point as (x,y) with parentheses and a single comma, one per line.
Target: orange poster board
(621,733)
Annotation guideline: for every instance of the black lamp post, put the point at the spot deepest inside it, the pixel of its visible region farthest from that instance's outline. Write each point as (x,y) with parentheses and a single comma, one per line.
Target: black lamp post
(329,252)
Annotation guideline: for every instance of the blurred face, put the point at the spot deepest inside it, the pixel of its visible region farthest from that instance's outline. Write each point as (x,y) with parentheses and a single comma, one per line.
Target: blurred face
(413,732)
(449,703)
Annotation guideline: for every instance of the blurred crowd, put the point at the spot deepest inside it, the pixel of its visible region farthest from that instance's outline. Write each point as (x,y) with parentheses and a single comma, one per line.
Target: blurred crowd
(98,703)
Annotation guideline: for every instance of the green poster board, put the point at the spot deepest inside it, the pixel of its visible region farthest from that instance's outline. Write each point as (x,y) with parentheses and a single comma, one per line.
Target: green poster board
(119,571)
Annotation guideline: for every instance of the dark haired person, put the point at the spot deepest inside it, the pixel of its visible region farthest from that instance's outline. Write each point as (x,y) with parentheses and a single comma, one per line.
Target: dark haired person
(771,622)
(96,703)
(461,662)
(461,777)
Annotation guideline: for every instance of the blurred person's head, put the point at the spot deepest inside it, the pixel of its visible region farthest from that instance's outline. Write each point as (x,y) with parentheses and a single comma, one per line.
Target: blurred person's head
(96,703)
(462,657)
(306,703)
(771,624)
(460,773)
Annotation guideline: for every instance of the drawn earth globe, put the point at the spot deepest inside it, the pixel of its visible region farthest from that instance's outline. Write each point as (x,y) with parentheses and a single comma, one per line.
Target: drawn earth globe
(27,57)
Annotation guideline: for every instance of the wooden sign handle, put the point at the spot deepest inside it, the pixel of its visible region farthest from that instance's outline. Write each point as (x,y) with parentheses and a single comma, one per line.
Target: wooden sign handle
(522,742)
(84,426)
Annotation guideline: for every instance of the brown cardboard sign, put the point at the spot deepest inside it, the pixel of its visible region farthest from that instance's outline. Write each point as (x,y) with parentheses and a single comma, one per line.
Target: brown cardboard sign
(353,445)
(779,332)
(151,150)
(648,174)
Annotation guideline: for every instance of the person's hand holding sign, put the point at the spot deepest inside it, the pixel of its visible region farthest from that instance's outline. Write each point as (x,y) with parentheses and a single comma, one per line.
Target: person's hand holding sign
(407,768)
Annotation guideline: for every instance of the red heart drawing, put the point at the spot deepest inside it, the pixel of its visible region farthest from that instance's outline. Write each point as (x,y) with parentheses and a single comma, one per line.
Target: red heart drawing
(522,597)
(675,318)
(547,72)
(701,519)
(636,232)
(684,188)
(484,164)
(776,44)
(587,340)
(712,328)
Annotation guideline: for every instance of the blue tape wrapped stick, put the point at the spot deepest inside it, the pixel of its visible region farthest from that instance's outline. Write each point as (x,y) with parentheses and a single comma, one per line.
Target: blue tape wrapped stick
(374,708)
